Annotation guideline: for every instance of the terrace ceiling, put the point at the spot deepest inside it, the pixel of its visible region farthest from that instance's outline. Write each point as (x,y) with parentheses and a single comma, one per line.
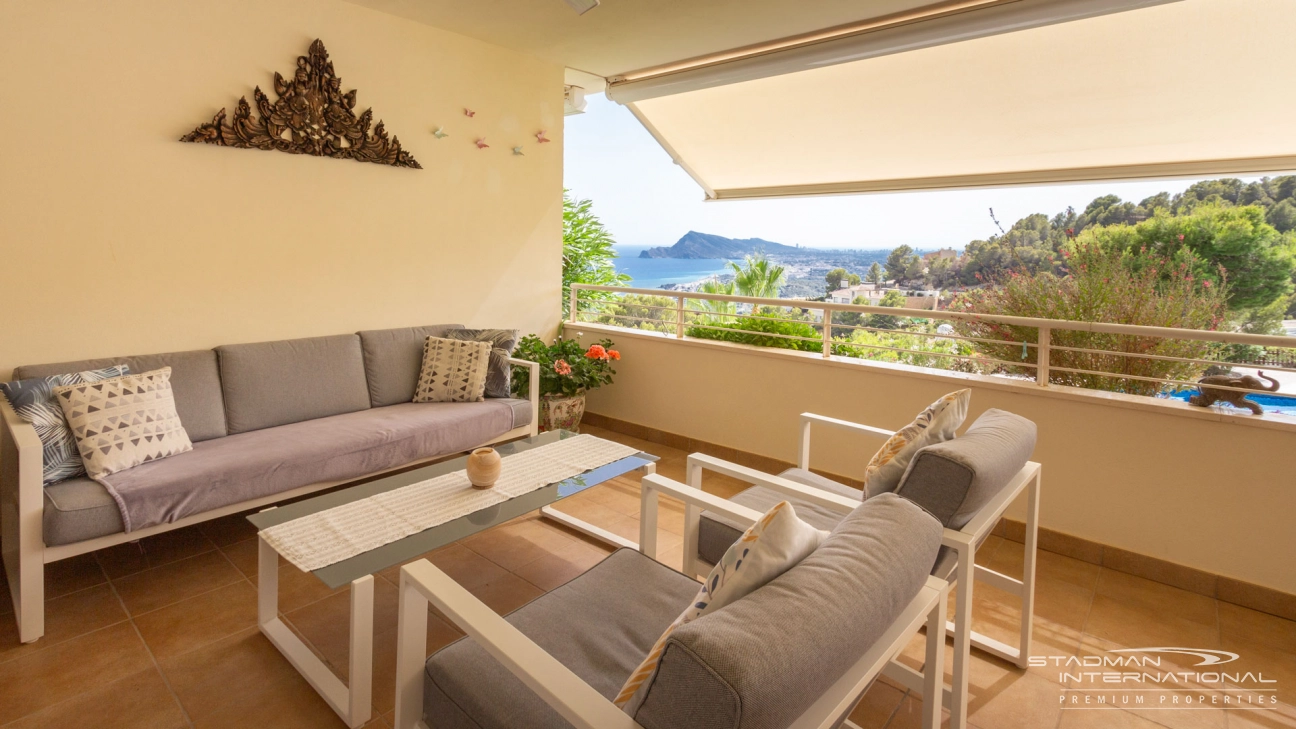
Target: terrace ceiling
(772,98)
(624,35)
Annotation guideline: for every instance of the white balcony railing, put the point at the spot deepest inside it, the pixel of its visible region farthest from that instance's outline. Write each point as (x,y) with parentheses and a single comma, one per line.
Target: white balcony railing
(1119,357)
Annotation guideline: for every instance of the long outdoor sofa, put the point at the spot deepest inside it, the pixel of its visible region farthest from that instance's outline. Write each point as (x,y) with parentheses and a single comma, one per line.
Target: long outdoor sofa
(269,421)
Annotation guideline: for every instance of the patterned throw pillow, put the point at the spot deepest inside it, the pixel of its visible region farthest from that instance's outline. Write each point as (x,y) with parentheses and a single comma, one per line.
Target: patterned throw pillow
(770,547)
(453,371)
(935,424)
(502,341)
(33,400)
(123,422)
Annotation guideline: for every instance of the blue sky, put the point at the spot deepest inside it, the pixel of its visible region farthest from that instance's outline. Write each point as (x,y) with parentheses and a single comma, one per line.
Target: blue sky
(646,200)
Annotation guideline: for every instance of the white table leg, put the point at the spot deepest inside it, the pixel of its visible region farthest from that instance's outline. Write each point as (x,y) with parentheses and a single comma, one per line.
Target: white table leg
(589,529)
(353,703)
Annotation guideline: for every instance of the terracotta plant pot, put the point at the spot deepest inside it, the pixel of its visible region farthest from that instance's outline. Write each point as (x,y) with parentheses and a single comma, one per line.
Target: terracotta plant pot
(561,413)
(483,468)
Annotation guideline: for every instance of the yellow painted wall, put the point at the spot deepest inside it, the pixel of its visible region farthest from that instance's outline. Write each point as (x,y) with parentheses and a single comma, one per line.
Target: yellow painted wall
(117,239)
(1206,494)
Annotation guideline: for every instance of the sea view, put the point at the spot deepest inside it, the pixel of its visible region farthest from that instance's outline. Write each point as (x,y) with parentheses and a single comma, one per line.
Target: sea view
(651,273)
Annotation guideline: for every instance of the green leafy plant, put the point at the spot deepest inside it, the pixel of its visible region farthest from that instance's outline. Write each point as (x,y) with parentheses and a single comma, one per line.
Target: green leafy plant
(588,255)
(1103,285)
(756,331)
(567,367)
(758,277)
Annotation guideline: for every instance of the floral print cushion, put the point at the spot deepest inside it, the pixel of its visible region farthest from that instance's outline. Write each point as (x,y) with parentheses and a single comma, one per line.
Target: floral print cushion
(935,424)
(773,545)
(33,400)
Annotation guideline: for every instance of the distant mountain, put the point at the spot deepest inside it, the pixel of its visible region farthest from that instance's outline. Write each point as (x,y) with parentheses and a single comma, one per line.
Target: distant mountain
(705,245)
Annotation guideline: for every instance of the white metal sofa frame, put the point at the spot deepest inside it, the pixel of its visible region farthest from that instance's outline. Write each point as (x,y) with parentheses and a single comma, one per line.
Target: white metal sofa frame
(579,703)
(22,507)
(963,541)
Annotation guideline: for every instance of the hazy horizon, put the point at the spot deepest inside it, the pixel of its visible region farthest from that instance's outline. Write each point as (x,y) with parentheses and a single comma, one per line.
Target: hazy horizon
(611,159)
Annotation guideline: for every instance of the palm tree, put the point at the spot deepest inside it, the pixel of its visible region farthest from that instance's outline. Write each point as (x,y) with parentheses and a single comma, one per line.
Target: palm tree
(759,277)
(714,286)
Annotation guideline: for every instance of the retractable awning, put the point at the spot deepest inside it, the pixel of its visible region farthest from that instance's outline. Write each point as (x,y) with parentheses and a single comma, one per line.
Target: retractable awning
(1190,88)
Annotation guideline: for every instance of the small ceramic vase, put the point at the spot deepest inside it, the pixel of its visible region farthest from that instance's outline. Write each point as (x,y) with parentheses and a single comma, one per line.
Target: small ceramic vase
(483,468)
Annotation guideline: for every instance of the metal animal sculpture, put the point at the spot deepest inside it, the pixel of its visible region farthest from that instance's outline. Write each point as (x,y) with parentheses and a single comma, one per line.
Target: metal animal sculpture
(1210,395)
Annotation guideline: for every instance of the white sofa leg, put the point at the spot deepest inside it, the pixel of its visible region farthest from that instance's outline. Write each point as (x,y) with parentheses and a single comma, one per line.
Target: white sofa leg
(29,598)
(22,504)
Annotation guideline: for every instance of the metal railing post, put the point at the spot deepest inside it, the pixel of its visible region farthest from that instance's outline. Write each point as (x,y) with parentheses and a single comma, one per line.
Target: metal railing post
(679,317)
(827,333)
(573,302)
(1042,357)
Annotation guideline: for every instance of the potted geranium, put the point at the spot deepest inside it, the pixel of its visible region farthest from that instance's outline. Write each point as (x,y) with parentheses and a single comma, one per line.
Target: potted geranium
(568,370)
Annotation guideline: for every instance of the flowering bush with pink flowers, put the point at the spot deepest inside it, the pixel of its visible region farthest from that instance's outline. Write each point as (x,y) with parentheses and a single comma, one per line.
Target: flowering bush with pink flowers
(567,367)
(1103,285)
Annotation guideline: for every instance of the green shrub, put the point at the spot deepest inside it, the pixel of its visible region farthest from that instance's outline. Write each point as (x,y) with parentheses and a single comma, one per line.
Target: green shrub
(1104,285)
(728,332)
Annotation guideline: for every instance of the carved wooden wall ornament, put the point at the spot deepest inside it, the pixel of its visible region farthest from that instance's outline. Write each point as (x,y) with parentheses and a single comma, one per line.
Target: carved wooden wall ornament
(312,116)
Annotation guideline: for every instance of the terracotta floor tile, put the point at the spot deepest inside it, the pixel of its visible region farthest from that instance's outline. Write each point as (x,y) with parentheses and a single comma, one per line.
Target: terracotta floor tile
(1024,702)
(516,543)
(296,588)
(326,624)
(1239,625)
(1136,612)
(1084,716)
(72,574)
(560,566)
(138,701)
(1282,716)
(877,706)
(278,705)
(244,555)
(506,593)
(66,617)
(228,670)
(171,583)
(462,564)
(228,529)
(1154,597)
(1155,693)
(908,715)
(199,620)
(1050,568)
(39,680)
(131,557)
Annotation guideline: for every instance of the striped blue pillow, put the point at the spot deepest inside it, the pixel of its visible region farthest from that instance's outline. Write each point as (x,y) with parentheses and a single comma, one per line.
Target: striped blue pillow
(33,400)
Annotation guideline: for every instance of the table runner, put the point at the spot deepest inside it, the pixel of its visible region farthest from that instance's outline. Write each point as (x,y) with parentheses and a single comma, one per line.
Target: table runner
(329,536)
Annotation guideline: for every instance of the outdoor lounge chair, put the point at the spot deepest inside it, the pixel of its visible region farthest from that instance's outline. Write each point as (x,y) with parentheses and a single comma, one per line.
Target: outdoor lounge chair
(797,652)
(966,483)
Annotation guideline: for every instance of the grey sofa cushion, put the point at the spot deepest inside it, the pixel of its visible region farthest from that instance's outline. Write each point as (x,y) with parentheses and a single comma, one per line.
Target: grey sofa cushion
(277,383)
(79,509)
(195,382)
(599,625)
(521,410)
(271,461)
(954,479)
(392,359)
(760,662)
(716,533)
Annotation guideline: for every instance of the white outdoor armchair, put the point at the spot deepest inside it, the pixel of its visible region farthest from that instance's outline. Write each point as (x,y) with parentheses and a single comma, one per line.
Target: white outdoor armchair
(794,653)
(967,483)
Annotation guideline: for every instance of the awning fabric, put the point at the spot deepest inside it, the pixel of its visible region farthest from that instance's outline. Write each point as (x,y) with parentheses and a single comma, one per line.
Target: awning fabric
(1199,87)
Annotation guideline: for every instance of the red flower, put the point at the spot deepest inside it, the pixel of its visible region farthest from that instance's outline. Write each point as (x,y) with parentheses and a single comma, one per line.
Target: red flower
(561,367)
(1181,237)
(1206,284)
(596,351)
(613,354)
